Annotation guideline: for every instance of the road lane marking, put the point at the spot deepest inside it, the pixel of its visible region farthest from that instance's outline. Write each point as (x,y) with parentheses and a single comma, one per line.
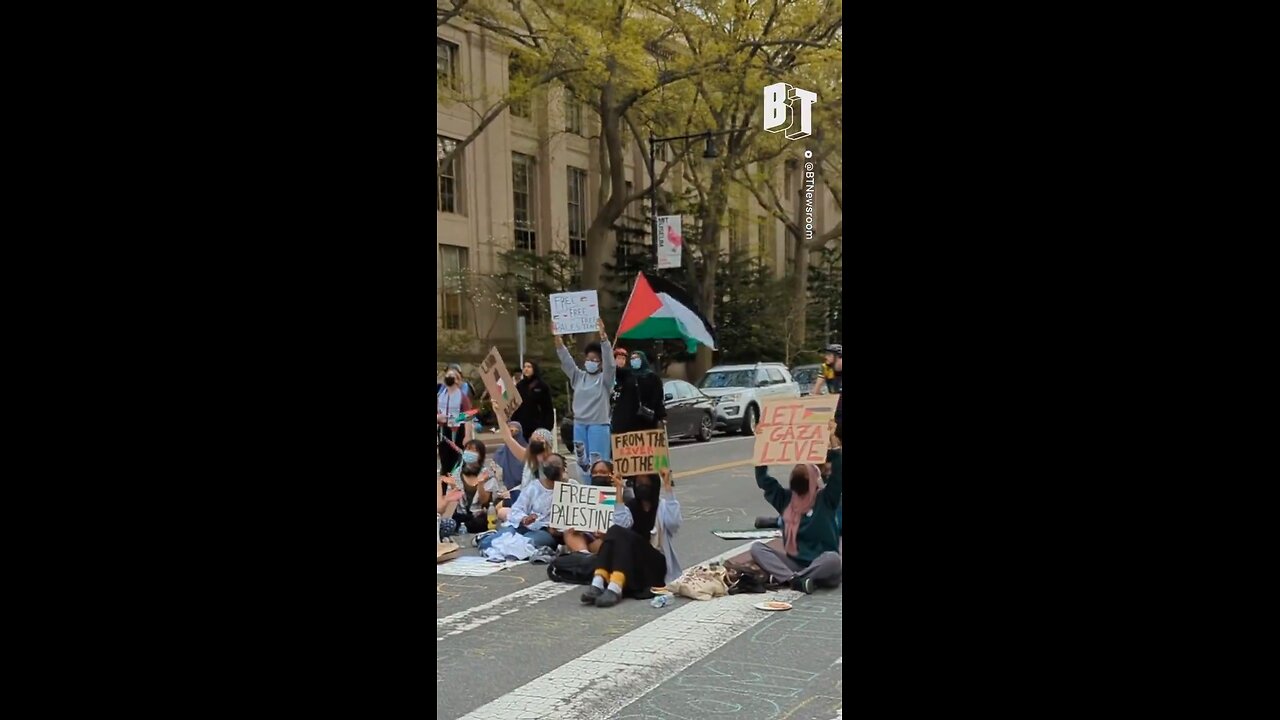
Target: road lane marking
(607,679)
(474,617)
(483,614)
(492,611)
(676,473)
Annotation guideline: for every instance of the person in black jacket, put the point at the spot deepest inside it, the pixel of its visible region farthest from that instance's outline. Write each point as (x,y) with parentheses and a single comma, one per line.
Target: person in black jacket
(535,409)
(637,385)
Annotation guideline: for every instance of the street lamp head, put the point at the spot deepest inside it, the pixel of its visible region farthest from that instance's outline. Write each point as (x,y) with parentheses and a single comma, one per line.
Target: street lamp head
(711,153)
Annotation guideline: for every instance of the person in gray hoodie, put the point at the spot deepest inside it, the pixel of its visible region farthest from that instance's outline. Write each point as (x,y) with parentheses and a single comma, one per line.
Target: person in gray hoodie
(592,384)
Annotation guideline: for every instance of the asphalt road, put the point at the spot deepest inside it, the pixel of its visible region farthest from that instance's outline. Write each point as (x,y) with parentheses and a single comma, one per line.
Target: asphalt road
(513,645)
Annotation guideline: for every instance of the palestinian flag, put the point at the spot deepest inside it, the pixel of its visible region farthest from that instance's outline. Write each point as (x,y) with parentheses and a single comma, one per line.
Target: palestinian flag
(661,310)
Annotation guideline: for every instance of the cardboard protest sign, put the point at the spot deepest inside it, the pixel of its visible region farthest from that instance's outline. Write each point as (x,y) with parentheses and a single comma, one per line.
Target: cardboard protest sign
(643,452)
(502,389)
(444,550)
(574,312)
(794,430)
(582,507)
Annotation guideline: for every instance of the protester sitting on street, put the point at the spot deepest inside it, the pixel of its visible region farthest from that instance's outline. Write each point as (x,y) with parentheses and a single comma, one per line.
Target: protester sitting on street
(638,551)
(592,384)
(531,512)
(775,521)
(576,540)
(445,503)
(512,466)
(481,486)
(811,542)
(531,458)
(637,397)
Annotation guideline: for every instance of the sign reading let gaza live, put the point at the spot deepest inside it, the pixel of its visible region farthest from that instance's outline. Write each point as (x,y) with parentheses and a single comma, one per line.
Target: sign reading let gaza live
(794,430)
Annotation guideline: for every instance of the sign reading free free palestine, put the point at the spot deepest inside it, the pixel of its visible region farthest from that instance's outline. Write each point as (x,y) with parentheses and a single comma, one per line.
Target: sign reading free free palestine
(574,312)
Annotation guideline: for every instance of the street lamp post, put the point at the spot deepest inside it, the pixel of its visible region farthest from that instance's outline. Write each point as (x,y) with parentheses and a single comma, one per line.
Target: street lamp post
(709,154)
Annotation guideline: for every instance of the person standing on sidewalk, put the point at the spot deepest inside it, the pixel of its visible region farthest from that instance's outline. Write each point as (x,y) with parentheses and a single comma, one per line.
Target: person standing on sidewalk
(451,432)
(637,397)
(535,410)
(592,384)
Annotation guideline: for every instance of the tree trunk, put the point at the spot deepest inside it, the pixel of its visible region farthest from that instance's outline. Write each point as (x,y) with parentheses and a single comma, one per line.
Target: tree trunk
(611,210)
(717,199)
(800,293)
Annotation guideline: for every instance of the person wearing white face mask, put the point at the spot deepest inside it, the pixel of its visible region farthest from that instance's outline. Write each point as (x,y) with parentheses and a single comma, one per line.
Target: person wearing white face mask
(591,385)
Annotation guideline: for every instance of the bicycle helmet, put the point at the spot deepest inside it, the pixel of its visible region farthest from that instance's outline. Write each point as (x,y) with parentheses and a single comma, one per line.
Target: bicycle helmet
(835,349)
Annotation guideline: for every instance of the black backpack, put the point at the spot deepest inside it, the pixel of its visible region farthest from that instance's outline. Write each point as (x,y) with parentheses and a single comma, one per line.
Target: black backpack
(577,568)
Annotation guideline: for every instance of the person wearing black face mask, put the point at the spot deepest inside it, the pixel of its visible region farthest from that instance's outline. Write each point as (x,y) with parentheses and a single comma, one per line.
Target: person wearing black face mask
(451,433)
(530,513)
(638,552)
(577,540)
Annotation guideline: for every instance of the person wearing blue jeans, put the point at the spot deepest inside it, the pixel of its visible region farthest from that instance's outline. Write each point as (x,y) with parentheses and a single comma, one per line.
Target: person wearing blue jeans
(592,385)
(532,510)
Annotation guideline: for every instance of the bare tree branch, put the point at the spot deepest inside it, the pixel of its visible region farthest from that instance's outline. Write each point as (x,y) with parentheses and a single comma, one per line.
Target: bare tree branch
(443,16)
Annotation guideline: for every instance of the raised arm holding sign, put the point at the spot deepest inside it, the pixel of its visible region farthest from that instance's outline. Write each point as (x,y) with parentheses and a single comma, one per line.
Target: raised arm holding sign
(794,430)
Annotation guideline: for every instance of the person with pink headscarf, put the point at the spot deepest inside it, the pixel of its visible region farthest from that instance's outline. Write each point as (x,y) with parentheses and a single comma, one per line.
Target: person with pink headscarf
(811,541)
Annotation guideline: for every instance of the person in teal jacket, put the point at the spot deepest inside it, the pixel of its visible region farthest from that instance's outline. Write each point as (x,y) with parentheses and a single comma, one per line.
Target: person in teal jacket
(810,538)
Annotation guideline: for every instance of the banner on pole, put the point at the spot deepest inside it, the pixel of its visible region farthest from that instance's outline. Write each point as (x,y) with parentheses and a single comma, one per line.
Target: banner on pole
(670,241)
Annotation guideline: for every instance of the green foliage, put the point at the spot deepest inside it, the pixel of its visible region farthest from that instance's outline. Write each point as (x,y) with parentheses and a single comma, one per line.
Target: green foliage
(752,312)
(825,289)
(671,68)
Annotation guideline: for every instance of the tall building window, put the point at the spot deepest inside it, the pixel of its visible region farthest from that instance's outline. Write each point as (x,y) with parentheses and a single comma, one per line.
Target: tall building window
(515,84)
(446,64)
(523,187)
(791,250)
(453,266)
(764,231)
(572,113)
(576,212)
(735,239)
(447,199)
(577,215)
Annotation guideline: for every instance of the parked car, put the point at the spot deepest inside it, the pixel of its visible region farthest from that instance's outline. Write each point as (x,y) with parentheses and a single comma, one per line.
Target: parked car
(690,412)
(739,390)
(806,376)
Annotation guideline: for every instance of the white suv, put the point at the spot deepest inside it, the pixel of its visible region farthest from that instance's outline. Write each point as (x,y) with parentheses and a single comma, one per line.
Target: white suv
(739,389)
